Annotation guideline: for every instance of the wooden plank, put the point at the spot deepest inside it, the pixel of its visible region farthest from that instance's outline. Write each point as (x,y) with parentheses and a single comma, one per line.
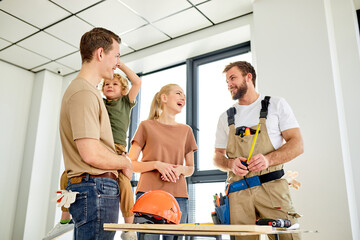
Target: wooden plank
(199,230)
(180,232)
(189,228)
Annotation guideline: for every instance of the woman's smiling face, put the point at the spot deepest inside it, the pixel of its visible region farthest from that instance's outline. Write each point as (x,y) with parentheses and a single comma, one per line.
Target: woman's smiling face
(175,100)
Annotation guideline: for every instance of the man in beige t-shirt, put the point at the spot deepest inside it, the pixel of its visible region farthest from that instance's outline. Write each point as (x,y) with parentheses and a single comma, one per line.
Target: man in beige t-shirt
(91,163)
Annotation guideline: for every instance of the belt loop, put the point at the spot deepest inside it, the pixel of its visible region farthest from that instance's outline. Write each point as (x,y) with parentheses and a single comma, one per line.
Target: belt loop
(87,177)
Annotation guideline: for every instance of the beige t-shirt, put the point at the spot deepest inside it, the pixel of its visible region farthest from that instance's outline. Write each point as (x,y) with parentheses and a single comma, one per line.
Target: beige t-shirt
(166,143)
(83,115)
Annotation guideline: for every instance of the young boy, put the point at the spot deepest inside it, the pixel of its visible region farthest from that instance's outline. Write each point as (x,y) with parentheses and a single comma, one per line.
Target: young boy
(119,102)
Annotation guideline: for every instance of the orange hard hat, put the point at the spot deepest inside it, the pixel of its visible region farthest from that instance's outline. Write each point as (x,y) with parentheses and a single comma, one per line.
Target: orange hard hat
(156,206)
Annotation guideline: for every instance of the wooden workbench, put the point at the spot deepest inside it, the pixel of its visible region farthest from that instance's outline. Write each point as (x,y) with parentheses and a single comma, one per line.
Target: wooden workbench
(198,230)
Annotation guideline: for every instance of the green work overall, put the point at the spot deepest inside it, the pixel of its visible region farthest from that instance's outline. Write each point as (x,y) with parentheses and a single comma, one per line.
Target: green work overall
(268,200)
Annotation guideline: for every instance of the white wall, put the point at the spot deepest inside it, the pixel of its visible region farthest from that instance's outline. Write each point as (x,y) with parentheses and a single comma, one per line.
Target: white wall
(53,212)
(30,106)
(345,48)
(46,101)
(309,54)
(357,4)
(15,98)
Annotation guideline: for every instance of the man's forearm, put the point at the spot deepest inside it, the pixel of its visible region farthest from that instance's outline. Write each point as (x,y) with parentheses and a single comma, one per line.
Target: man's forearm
(97,155)
(108,160)
(222,162)
(287,152)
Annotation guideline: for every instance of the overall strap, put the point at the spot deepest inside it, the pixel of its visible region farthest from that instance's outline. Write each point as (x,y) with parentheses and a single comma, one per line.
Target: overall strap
(264,107)
(231,115)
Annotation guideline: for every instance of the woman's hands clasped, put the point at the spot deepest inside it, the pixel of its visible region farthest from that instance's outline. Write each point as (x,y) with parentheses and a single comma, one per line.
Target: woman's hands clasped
(169,172)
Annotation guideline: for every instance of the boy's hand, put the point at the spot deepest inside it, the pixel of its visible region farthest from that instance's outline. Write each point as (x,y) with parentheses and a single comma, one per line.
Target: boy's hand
(120,65)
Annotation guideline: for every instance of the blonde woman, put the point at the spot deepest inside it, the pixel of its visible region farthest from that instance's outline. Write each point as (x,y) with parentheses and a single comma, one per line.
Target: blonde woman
(167,148)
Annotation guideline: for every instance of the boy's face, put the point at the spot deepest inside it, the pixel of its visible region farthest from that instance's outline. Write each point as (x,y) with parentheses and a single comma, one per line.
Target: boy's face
(112,89)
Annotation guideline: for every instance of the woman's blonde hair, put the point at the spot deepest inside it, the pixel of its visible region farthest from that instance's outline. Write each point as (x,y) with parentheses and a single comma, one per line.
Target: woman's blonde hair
(123,81)
(156,105)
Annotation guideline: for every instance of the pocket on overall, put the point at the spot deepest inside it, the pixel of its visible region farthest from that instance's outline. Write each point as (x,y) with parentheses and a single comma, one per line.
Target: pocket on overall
(278,193)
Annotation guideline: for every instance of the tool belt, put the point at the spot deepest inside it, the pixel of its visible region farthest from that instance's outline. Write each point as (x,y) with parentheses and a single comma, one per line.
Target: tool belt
(78,179)
(222,209)
(253,181)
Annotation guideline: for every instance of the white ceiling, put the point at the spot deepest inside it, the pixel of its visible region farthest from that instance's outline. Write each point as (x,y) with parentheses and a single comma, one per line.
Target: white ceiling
(45,34)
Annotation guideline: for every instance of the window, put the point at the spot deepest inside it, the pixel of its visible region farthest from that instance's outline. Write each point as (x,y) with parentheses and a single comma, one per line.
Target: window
(152,83)
(204,196)
(214,99)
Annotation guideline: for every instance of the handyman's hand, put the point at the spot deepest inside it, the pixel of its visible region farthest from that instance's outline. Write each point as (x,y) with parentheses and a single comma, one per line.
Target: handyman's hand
(258,162)
(238,168)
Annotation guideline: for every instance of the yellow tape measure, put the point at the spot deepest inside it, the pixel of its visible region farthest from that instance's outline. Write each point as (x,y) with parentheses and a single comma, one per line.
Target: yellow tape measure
(253,143)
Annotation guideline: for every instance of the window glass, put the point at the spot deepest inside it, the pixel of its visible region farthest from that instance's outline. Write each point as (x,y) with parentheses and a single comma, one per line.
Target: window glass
(204,195)
(201,204)
(152,83)
(214,99)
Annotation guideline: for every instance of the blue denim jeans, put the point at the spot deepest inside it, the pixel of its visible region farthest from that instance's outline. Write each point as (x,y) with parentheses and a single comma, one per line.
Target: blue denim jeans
(96,203)
(184,206)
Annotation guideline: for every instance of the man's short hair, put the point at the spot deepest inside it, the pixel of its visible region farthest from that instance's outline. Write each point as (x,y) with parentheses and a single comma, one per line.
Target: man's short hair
(244,67)
(94,39)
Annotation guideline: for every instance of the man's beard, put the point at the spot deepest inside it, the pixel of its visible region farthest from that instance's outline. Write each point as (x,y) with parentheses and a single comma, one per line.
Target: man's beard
(241,91)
